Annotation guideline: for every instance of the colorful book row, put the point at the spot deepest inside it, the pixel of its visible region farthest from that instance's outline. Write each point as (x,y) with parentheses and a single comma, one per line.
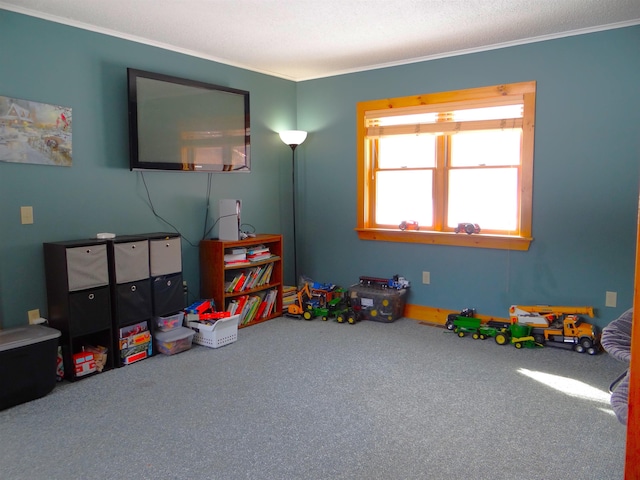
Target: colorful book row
(253,307)
(250,278)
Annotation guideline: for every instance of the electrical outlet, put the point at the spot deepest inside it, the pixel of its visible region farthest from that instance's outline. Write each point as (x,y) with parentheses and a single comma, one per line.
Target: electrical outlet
(611,299)
(426,278)
(33,316)
(26,215)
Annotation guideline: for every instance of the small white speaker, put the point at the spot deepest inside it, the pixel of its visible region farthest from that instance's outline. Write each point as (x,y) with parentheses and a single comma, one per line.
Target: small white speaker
(229,219)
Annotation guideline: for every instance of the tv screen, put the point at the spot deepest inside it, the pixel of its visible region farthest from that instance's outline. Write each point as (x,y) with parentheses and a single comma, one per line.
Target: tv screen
(179,124)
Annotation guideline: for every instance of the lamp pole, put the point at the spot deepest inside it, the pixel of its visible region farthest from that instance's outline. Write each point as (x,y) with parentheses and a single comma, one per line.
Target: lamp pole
(293,138)
(293,195)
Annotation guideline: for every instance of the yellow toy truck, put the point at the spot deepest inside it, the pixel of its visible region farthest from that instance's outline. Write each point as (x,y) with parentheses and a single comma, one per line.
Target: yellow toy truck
(558,326)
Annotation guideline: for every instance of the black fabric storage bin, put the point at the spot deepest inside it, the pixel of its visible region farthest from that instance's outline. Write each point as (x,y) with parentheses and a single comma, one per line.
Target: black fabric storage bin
(133,301)
(168,294)
(89,311)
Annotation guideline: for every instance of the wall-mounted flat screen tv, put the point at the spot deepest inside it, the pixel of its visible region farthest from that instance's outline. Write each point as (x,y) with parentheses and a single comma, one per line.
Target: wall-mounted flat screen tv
(187,125)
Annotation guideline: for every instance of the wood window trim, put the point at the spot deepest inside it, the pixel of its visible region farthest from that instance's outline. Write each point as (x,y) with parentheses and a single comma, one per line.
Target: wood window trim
(632,454)
(503,242)
(364,184)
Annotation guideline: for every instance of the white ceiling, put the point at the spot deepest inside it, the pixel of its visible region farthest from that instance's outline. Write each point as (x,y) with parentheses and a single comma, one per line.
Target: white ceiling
(305,39)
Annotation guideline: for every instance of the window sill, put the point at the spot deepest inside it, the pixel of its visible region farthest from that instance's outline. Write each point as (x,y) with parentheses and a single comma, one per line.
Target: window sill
(502,242)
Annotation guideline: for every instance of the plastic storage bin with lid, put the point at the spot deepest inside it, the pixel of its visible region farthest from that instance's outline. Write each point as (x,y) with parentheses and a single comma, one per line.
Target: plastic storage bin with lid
(174,341)
(28,358)
(169,322)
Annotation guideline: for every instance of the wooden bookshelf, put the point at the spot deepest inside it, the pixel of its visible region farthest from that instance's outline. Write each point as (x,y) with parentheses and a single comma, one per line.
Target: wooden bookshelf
(215,275)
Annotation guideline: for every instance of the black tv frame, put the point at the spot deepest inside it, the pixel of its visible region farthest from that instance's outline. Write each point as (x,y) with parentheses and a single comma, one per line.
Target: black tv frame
(180,164)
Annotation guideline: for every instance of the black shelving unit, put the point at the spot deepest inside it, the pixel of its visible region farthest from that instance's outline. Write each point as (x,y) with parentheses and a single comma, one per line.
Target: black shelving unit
(78,297)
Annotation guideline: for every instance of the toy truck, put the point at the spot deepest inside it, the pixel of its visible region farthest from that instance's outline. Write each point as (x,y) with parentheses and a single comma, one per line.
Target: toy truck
(313,310)
(309,304)
(351,315)
(468,228)
(396,282)
(503,333)
(322,295)
(558,326)
(336,307)
(463,325)
(297,309)
(518,335)
(539,325)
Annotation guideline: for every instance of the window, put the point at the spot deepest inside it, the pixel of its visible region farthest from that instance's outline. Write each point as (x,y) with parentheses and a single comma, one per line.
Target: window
(445,159)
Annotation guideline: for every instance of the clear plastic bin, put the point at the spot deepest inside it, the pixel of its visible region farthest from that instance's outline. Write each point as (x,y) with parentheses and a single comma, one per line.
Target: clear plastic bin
(174,341)
(170,322)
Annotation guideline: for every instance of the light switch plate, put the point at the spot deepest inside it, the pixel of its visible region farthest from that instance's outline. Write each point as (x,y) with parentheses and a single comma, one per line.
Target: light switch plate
(33,315)
(26,215)
(611,299)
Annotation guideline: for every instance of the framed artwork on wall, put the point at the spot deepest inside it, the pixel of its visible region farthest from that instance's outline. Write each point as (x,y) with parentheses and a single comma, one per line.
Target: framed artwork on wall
(33,132)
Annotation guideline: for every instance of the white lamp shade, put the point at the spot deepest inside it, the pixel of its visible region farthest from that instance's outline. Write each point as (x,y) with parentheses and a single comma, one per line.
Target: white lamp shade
(293,137)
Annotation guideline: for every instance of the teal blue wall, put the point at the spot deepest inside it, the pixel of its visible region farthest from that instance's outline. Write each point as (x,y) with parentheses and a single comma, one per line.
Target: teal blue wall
(587,153)
(52,63)
(585,180)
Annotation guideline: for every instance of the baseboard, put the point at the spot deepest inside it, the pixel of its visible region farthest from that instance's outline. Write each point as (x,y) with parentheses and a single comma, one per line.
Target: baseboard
(438,316)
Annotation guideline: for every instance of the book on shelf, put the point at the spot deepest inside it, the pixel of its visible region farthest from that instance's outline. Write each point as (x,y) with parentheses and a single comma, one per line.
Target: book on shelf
(233,263)
(236,305)
(240,282)
(289,294)
(265,278)
(249,278)
(259,257)
(132,330)
(229,286)
(232,285)
(261,308)
(257,250)
(259,275)
(249,282)
(244,308)
(253,307)
(271,300)
(232,306)
(236,250)
(234,257)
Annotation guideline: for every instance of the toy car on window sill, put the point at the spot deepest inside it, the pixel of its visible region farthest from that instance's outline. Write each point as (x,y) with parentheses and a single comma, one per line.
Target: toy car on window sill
(468,228)
(408,225)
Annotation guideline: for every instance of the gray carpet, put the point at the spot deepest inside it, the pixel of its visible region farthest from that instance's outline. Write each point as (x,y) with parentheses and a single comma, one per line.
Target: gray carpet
(293,399)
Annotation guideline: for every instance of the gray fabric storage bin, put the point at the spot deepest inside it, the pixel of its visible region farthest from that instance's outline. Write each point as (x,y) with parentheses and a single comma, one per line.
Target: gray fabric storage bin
(131,261)
(165,256)
(87,267)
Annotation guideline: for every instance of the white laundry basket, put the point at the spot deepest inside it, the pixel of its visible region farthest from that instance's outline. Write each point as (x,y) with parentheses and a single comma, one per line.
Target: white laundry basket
(223,332)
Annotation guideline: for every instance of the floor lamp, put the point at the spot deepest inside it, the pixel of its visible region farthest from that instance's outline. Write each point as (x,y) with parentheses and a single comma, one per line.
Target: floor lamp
(293,138)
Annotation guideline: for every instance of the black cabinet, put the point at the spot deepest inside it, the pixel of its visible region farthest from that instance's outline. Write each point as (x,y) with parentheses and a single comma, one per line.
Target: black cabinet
(78,297)
(97,287)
